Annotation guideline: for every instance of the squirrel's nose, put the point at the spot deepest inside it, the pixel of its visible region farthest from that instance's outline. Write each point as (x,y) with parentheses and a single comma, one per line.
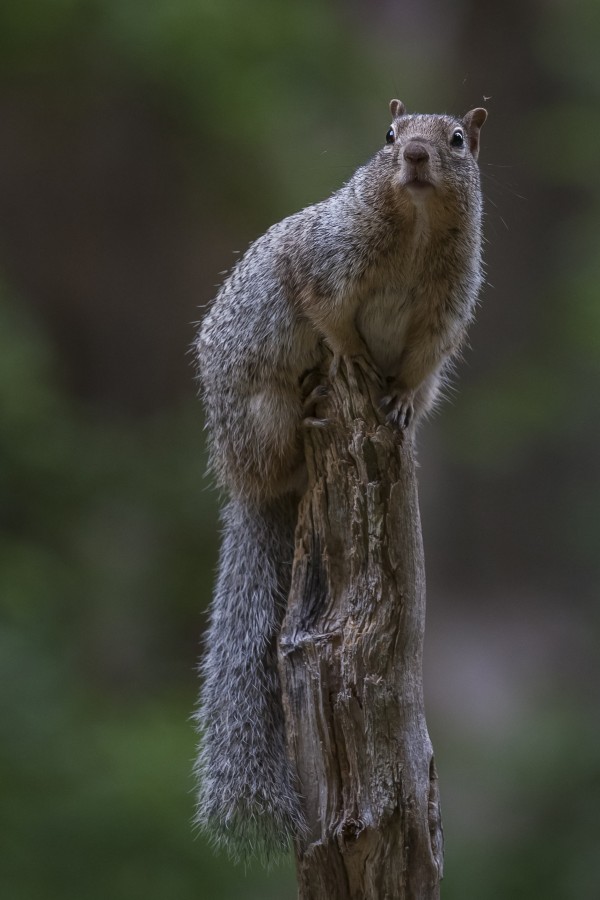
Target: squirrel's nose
(415,152)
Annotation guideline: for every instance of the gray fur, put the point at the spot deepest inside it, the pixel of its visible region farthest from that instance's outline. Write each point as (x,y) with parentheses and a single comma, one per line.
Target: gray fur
(384,274)
(247,799)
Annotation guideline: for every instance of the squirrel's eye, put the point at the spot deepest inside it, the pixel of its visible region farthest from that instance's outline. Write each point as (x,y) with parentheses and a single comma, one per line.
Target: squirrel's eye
(390,136)
(457,139)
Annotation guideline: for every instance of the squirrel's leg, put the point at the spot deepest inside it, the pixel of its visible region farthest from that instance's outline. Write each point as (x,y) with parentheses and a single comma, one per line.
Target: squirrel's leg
(415,385)
(256,438)
(336,323)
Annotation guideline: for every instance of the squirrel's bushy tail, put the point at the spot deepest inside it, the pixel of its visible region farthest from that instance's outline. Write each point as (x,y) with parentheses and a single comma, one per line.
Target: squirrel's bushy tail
(247,801)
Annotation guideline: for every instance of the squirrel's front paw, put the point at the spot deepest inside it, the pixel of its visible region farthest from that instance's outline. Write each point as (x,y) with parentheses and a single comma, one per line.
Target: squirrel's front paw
(313,391)
(399,408)
(362,362)
(309,407)
(368,368)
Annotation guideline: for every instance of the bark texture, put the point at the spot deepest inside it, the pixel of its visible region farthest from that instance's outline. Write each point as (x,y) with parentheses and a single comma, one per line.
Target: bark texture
(351,664)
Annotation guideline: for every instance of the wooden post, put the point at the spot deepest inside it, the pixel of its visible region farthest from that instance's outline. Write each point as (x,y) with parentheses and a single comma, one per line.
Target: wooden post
(350,656)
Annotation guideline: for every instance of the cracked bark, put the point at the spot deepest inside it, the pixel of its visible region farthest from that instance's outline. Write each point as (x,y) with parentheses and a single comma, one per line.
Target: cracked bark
(350,656)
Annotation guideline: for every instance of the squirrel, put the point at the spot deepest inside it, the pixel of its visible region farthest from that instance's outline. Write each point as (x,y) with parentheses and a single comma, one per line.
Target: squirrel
(384,274)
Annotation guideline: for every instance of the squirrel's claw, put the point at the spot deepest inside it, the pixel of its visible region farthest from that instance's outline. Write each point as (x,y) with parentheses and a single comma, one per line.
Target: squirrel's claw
(368,368)
(309,404)
(399,408)
(334,366)
(309,381)
(361,361)
(317,394)
(313,422)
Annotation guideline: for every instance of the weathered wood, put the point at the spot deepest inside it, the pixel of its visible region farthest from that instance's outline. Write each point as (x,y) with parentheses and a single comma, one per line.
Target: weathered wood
(351,664)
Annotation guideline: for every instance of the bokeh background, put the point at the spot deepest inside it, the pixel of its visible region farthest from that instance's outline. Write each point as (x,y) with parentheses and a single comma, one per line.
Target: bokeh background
(141,143)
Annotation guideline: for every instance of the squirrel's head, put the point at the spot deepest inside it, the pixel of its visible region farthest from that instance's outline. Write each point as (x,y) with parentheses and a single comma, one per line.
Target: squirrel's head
(432,152)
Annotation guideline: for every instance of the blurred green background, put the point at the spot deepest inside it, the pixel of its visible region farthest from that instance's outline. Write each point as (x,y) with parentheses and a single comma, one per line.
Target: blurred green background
(141,143)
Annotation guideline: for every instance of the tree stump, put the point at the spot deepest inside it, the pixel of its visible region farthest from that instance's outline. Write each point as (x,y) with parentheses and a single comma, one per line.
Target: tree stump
(350,657)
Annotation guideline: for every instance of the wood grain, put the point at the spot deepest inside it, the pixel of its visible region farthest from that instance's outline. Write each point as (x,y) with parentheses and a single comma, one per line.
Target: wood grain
(350,657)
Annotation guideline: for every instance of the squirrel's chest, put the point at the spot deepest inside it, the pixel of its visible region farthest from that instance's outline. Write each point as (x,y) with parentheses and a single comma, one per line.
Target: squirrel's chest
(411,291)
(383,319)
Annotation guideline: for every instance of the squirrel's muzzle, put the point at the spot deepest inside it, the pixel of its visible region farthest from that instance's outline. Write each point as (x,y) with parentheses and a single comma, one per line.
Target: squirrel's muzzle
(417,165)
(417,153)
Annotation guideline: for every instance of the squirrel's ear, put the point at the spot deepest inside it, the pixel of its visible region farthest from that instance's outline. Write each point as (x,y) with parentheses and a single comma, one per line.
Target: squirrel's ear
(397,108)
(473,122)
